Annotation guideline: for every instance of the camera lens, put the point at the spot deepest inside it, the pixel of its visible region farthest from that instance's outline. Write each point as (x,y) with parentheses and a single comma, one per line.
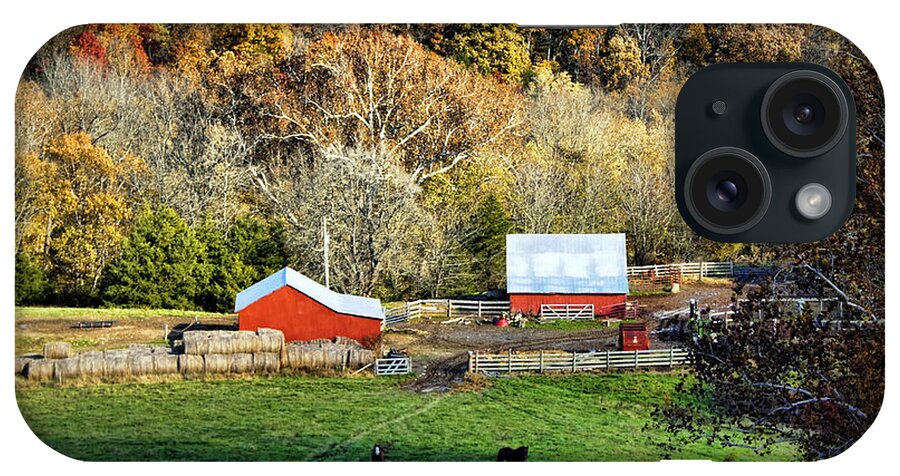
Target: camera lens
(804,113)
(727,190)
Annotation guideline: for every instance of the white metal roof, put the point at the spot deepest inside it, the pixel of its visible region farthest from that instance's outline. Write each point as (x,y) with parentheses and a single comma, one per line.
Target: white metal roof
(342,303)
(566,264)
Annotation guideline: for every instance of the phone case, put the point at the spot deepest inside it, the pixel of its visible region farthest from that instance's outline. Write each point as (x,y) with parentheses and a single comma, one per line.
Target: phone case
(421,243)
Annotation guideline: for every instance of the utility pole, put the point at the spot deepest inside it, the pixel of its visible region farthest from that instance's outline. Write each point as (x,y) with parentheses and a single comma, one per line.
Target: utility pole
(325,249)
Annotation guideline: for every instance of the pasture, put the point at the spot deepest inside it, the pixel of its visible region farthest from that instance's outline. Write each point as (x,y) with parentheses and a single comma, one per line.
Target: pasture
(587,417)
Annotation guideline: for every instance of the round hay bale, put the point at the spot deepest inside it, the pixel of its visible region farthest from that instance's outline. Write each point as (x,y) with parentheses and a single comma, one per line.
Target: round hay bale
(244,342)
(320,341)
(216,363)
(164,364)
(57,350)
(294,357)
(116,365)
(241,363)
(92,354)
(67,369)
(141,364)
(22,362)
(92,364)
(116,354)
(270,340)
(140,349)
(266,362)
(220,342)
(196,342)
(189,364)
(346,342)
(40,370)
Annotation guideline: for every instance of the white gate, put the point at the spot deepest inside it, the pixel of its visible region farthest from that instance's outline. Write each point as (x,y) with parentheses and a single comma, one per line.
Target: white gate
(393,366)
(567,311)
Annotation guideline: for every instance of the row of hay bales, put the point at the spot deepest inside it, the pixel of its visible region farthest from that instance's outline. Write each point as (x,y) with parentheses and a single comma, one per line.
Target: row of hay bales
(58,364)
(266,351)
(203,352)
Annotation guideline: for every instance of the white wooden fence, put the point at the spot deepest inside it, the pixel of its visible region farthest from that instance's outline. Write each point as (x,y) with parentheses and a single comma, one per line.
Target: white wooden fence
(575,361)
(567,311)
(444,308)
(696,270)
(393,366)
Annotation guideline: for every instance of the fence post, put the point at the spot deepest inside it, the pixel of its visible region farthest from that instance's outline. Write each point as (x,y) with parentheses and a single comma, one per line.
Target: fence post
(476,361)
(469,363)
(701,271)
(407,310)
(732,268)
(166,333)
(449,307)
(671,357)
(635,359)
(574,362)
(509,360)
(607,360)
(541,365)
(479,309)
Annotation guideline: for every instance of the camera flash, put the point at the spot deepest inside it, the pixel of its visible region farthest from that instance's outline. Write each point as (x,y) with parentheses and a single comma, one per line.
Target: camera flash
(813,201)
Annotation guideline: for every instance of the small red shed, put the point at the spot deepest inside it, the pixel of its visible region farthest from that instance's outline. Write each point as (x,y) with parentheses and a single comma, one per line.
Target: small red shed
(634,336)
(560,269)
(305,310)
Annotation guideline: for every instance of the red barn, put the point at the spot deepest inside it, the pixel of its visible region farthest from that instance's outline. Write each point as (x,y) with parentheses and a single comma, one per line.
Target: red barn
(305,310)
(566,269)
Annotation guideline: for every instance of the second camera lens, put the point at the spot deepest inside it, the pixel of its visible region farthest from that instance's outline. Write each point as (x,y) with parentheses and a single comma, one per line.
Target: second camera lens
(804,113)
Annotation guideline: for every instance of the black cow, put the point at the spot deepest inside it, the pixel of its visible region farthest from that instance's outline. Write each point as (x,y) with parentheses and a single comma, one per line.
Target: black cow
(508,454)
(377,453)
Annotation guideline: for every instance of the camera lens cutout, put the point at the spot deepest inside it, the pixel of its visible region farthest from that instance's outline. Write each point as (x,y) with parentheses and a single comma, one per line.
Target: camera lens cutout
(804,113)
(727,190)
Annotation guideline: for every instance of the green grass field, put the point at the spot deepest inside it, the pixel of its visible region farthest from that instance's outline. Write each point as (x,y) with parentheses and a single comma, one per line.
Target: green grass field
(575,325)
(569,418)
(24,313)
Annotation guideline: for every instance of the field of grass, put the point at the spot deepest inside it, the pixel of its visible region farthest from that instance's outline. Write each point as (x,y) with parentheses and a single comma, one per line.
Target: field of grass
(25,313)
(36,326)
(582,417)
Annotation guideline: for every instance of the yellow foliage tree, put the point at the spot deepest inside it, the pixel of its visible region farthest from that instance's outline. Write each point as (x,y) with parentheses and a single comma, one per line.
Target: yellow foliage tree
(82,206)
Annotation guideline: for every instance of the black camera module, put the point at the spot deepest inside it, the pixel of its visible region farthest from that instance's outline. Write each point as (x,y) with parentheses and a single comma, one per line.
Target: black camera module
(804,113)
(727,190)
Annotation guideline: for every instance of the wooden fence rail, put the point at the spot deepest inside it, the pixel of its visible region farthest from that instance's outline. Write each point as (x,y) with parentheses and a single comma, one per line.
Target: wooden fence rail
(696,270)
(444,308)
(575,361)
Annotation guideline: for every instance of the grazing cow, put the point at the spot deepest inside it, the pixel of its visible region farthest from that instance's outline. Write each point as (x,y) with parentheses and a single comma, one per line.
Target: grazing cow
(508,454)
(377,453)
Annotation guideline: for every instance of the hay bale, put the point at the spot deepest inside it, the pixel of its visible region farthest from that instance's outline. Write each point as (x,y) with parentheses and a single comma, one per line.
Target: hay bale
(190,364)
(57,350)
(216,363)
(91,354)
(164,364)
(266,362)
(23,361)
(270,340)
(116,365)
(346,342)
(319,341)
(140,349)
(116,354)
(196,342)
(93,364)
(220,342)
(67,369)
(40,370)
(244,342)
(141,364)
(241,363)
